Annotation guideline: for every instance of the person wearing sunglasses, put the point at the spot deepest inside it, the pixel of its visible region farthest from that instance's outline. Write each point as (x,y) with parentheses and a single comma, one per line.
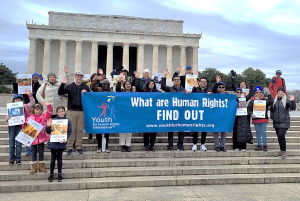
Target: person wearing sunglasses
(242,85)
(260,124)
(241,129)
(219,87)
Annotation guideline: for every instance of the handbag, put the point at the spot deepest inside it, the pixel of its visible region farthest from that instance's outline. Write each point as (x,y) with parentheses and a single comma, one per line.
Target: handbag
(43,94)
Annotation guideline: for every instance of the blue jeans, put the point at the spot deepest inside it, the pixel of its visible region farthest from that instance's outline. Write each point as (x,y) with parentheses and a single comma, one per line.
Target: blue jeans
(28,150)
(15,147)
(261,131)
(39,148)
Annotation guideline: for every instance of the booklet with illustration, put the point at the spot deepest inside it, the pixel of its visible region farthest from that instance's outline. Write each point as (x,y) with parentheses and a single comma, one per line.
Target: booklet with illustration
(259,108)
(59,129)
(25,83)
(190,80)
(15,111)
(29,132)
(242,107)
(157,80)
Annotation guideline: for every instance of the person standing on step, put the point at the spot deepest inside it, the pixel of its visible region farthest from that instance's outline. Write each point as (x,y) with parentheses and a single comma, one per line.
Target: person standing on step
(149,138)
(48,92)
(124,138)
(277,82)
(219,87)
(15,147)
(281,117)
(37,146)
(200,88)
(241,129)
(105,87)
(242,85)
(178,89)
(57,148)
(260,124)
(75,110)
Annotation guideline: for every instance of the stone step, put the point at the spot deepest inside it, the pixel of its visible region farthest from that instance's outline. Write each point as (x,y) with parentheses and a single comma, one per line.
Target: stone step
(153,171)
(146,181)
(154,162)
(4,157)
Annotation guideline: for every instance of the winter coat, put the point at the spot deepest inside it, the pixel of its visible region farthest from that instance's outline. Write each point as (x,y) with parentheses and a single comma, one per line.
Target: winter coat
(26,108)
(273,86)
(182,79)
(241,129)
(42,137)
(142,82)
(199,90)
(234,88)
(146,88)
(280,112)
(58,145)
(26,100)
(74,95)
(269,101)
(51,95)
(171,89)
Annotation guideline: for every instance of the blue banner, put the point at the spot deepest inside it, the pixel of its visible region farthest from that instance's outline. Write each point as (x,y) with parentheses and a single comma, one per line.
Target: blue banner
(131,112)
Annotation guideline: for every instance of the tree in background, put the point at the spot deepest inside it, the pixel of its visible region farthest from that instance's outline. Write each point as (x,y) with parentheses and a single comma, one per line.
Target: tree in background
(6,78)
(247,75)
(296,94)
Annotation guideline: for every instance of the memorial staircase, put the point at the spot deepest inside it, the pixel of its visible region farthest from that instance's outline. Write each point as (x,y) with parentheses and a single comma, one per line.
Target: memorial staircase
(139,169)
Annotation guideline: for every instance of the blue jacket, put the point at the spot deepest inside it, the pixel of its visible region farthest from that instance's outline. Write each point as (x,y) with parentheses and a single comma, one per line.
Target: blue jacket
(58,145)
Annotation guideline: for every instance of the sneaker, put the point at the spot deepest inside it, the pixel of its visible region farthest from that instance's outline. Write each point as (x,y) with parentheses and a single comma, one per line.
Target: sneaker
(59,176)
(258,148)
(203,148)
(152,149)
(99,151)
(50,178)
(243,149)
(169,150)
(11,162)
(128,149)
(236,149)
(217,149)
(18,162)
(79,151)
(265,148)
(123,148)
(223,149)
(283,154)
(147,150)
(194,147)
(107,150)
(181,149)
(279,154)
(69,152)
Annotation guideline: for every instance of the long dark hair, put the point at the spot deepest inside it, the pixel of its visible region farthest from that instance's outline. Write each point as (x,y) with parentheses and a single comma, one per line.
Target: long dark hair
(147,89)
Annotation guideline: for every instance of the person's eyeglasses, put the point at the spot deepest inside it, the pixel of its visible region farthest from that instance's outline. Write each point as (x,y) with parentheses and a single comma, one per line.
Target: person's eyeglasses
(258,92)
(176,79)
(239,92)
(221,87)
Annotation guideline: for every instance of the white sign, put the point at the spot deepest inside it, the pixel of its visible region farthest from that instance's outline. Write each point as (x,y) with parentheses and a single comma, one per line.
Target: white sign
(245,92)
(16,113)
(259,108)
(29,132)
(242,107)
(59,130)
(24,83)
(157,80)
(190,80)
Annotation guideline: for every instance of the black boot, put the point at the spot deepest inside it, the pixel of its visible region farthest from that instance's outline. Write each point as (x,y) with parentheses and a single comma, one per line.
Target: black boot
(59,177)
(90,136)
(123,148)
(50,179)
(128,149)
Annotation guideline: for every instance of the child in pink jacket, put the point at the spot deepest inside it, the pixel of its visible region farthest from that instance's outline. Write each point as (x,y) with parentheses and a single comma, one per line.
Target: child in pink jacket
(37,145)
(15,147)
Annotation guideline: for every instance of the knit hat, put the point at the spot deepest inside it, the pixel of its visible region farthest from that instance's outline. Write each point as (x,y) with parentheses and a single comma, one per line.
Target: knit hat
(35,74)
(238,89)
(18,96)
(258,88)
(280,89)
(146,71)
(51,74)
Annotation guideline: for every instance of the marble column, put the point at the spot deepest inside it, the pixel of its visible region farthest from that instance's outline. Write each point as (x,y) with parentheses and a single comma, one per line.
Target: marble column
(109,62)
(78,55)
(62,58)
(32,56)
(169,61)
(125,61)
(46,58)
(94,57)
(141,55)
(183,56)
(155,60)
(195,60)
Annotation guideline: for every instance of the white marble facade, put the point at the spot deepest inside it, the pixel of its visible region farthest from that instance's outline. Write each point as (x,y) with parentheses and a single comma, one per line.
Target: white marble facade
(72,39)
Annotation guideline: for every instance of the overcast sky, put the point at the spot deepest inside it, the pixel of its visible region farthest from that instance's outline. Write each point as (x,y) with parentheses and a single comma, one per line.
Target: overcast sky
(237,34)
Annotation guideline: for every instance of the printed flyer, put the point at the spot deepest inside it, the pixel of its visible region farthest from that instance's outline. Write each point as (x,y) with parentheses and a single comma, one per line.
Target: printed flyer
(16,113)
(190,81)
(29,132)
(242,107)
(259,108)
(59,129)
(157,80)
(25,83)
(245,92)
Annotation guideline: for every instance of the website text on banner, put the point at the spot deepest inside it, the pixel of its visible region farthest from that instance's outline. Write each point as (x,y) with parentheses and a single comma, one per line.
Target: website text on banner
(158,112)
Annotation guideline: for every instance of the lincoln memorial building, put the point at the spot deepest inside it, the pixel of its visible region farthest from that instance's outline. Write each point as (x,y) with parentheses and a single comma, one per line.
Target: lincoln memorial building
(86,42)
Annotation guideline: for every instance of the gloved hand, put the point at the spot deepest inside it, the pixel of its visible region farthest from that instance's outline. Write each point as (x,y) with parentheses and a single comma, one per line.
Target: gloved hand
(267,91)
(251,83)
(233,73)
(253,116)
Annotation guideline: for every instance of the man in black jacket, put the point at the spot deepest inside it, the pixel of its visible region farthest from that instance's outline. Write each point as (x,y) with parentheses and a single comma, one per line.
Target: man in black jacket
(75,110)
(175,88)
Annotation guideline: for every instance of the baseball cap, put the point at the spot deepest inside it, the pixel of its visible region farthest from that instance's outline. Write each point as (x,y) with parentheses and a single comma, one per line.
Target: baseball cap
(17,96)
(79,73)
(237,89)
(278,72)
(188,67)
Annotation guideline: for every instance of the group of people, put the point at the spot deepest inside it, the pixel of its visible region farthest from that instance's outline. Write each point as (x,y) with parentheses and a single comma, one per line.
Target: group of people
(43,104)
